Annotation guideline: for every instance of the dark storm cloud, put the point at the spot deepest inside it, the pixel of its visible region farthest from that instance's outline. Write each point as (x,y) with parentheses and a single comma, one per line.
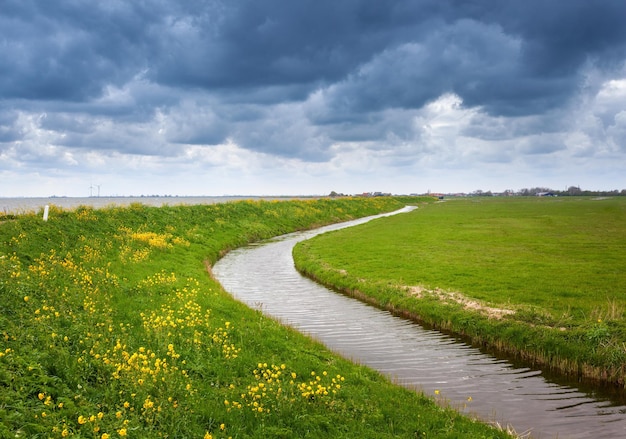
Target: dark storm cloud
(250,43)
(560,36)
(70,50)
(347,61)
(61,50)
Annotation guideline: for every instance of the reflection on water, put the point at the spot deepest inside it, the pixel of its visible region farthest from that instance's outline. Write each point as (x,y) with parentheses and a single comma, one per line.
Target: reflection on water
(264,277)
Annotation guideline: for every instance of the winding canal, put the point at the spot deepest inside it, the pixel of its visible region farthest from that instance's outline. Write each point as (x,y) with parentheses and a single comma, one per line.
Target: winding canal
(495,390)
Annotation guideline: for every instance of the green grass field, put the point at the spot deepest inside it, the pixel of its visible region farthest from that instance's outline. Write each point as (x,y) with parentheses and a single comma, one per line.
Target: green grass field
(540,278)
(111,327)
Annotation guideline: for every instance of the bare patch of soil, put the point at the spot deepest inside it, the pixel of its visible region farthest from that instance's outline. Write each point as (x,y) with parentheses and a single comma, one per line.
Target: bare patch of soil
(467,303)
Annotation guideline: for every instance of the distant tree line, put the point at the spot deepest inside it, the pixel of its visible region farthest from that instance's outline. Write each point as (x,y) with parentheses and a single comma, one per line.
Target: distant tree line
(538,191)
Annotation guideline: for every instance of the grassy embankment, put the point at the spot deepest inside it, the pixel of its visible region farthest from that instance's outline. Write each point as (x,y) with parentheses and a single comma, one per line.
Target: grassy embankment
(110,326)
(539,278)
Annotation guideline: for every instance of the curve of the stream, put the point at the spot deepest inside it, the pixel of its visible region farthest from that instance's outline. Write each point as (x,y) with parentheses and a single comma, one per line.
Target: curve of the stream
(263,276)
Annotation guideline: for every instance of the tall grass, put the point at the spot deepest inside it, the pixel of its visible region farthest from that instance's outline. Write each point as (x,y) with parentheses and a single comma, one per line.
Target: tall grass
(540,278)
(111,327)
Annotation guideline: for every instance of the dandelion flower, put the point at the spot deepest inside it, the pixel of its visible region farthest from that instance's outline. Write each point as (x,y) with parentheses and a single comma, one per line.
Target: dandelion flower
(82,420)
(437,392)
(122,432)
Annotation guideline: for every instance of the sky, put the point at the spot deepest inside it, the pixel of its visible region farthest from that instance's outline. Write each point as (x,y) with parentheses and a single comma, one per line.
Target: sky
(305,97)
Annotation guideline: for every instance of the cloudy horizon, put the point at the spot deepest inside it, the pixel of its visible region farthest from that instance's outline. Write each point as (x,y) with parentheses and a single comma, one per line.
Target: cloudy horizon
(214,97)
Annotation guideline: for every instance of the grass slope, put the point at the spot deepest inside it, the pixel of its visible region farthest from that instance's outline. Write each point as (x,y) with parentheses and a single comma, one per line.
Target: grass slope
(541,278)
(111,327)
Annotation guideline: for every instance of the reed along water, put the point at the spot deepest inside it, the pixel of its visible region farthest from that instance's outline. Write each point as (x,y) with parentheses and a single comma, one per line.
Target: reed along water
(494,390)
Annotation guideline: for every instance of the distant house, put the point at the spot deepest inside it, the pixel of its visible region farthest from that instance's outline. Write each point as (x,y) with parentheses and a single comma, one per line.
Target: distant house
(545,194)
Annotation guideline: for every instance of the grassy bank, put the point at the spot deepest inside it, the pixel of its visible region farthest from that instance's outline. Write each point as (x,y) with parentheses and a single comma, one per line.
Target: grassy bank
(539,278)
(110,326)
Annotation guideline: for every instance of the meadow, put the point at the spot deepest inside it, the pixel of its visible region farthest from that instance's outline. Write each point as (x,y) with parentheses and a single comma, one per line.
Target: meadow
(112,327)
(540,279)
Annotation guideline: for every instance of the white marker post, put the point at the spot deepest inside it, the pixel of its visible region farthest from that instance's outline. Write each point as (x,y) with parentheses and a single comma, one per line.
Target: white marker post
(46,209)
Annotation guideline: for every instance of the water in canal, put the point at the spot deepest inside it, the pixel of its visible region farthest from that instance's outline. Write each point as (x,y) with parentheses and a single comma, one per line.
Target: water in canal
(264,277)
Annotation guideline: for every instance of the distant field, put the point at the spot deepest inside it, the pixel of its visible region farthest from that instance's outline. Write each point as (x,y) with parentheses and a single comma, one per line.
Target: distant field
(556,263)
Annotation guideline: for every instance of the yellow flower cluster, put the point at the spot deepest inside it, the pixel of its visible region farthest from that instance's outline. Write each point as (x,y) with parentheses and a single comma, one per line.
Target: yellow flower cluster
(161,241)
(274,387)
(180,241)
(221,337)
(90,425)
(316,388)
(90,254)
(152,239)
(85,213)
(181,313)
(159,279)
(14,266)
(47,312)
(269,383)
(140,367)
(5,352)
(51,271)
